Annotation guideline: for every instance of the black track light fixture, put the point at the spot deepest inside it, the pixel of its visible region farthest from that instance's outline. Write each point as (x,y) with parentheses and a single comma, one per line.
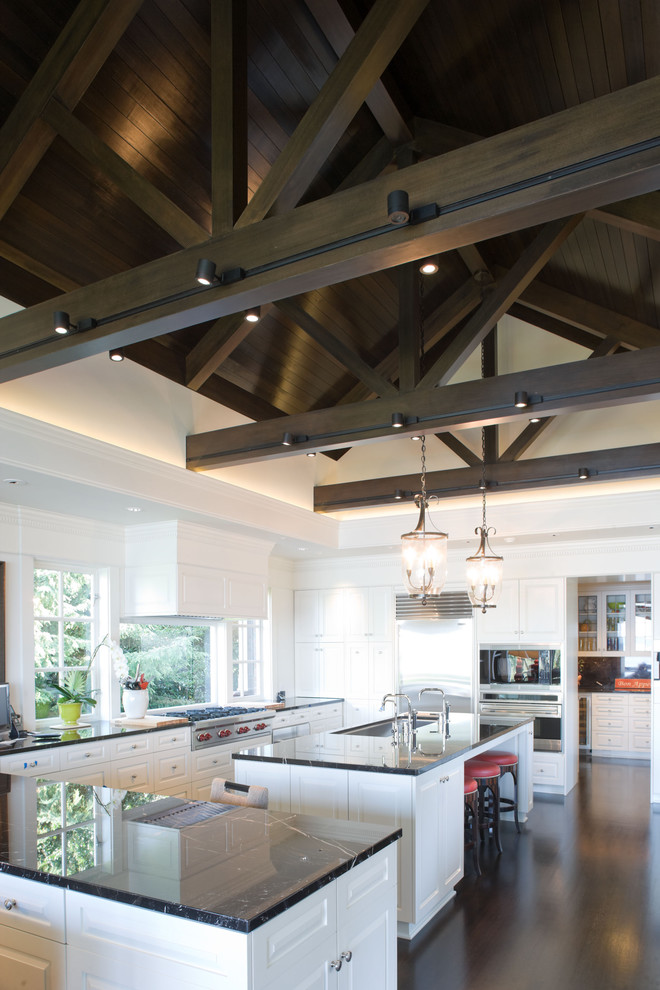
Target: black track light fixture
(253,315)
(398,207)
(205,273)
(521,400)
(61,322)
(116,355)
(398,420)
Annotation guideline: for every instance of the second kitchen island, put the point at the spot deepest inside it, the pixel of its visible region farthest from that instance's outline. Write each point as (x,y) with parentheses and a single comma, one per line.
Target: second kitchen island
(369,778)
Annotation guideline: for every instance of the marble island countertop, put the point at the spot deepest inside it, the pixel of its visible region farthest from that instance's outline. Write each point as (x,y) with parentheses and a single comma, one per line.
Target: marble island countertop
(352,749)
(99,729)
(230,867)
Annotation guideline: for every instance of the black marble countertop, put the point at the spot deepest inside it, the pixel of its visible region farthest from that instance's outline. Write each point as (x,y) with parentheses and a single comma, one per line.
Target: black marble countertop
(351,749)
(98,729)
(236,867)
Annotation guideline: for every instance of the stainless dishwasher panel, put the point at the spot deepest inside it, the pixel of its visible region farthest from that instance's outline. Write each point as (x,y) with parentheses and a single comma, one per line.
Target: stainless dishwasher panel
(291,731)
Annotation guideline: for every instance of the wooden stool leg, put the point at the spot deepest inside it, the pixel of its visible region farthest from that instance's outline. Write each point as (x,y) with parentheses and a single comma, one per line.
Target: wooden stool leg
(472,802)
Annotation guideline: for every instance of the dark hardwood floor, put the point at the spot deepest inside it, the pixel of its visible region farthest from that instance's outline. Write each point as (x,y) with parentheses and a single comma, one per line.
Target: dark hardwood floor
(573,903)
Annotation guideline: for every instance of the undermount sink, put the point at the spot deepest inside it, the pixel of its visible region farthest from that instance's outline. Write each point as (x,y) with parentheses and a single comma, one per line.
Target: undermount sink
(383,729)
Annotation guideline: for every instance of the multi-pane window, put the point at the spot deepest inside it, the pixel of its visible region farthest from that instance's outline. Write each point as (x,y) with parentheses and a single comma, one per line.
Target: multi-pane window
(175,659)
(247,658)
(64,629)
(66,827)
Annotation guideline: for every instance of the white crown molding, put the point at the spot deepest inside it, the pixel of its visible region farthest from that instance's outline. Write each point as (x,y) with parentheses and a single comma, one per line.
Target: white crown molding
(54,522)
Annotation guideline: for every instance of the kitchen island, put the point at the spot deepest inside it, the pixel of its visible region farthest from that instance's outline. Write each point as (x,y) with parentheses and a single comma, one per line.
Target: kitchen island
(143,891)
(360,776)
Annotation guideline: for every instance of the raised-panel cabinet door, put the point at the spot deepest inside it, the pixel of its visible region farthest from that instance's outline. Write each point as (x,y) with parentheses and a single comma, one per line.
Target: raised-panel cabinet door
(381,671)
(31,963)
(501,624)
(356,611)
(357,680)
(331,615)
(319,791)
(332,680)
(381,613)
(306,615)
(367,949)
(541,610)
(308,669)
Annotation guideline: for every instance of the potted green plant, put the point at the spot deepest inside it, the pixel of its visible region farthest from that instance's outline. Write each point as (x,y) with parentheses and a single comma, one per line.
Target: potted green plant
(73,692)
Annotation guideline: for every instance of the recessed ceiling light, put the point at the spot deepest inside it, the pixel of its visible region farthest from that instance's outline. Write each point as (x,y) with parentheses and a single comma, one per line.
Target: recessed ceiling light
(509,539)
(302,548)
(133,508)
(14,481)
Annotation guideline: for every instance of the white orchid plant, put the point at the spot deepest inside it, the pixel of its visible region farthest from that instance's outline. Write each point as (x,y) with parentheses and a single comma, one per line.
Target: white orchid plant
(120,667)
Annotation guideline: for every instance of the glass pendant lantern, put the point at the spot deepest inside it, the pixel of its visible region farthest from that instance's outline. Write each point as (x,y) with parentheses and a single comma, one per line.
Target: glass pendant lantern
(484,568)
(424,551)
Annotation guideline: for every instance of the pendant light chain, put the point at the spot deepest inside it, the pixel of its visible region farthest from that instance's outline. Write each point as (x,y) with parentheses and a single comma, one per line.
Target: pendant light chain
(423,469)
(483,443)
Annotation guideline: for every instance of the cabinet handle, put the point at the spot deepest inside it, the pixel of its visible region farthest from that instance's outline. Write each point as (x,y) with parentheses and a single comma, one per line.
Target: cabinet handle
(336,964)
(347,956)
(443,780)
(133,776)
(134,746)
(9,903)
(32,763)
(173,768)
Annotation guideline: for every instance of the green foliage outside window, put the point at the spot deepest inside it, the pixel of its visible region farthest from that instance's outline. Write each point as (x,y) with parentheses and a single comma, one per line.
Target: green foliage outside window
(66,829)
(63,617)
(174,659)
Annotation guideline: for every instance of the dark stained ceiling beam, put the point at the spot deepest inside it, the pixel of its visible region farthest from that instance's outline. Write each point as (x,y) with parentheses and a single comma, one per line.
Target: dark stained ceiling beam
(134,186)
(586,315)
(82,47)
(510,476)
(442,318)
(553,325)
(622,378)
(370,165)
(332,20)
(347,357)
(533,431)
(37,268)
(459,448)
(229,141)
(368,54)
(214,347)
(640,215)
(558,174)
(497,302)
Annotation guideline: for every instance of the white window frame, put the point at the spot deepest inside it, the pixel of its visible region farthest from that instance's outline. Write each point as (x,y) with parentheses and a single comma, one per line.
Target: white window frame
(264,661)
(61,619)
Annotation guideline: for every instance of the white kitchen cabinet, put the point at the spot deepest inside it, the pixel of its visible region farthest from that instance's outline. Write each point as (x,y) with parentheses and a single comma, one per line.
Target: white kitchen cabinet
(439,833)
(615,619)
(369,670)
(38,762)
(369,614)
(31,963)
(119,945)
(548,771)
(32,935)
(621,725)
(344,938)
(319,791)
(319,615)
(530,612)
(320,669)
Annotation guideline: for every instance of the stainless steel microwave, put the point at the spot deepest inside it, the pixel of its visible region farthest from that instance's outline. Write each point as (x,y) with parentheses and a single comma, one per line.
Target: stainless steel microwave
(517,665)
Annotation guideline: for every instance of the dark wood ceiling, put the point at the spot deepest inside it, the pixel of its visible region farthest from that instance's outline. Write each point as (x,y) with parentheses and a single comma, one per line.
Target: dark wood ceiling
(136,130)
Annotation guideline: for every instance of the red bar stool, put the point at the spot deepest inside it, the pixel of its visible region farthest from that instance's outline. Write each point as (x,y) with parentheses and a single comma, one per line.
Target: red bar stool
(487,776)
(471,792)
(508,763)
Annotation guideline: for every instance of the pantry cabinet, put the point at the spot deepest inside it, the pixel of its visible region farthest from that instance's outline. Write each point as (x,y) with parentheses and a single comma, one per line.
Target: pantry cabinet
(530,612)
(621,725)
(616,619)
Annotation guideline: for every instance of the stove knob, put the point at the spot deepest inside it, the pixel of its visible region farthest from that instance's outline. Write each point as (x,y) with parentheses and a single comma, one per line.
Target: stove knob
(246,728)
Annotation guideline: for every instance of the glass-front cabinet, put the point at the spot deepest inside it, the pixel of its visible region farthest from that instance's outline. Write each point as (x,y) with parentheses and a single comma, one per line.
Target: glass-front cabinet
(615,620)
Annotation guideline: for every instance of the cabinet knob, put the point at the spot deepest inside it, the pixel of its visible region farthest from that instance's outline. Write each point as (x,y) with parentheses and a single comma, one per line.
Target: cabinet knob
(134,746)
(347,956)
(336,965)
(9,903)
(133,776)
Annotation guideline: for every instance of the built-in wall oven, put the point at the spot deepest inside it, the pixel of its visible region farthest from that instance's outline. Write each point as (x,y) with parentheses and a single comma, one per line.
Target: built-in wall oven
(543,706)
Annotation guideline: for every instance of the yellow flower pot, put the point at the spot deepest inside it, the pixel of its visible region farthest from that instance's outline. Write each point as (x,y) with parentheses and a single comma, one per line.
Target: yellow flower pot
(69,712)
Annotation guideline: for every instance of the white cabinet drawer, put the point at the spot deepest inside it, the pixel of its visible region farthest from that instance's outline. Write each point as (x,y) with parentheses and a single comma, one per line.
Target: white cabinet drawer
(32,907)
(640,742)
(84,754)
(640,706)
(547,769)
(31,963)
(290,718)
(178,738)
(125,746)
(362,889)
(608,722)
(171,768)
(609,740)
(132,776)
(36,762)
(640,723)
(216,762)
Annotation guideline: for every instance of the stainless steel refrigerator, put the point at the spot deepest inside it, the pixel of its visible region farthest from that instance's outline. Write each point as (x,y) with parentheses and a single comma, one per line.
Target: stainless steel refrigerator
(439,652)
